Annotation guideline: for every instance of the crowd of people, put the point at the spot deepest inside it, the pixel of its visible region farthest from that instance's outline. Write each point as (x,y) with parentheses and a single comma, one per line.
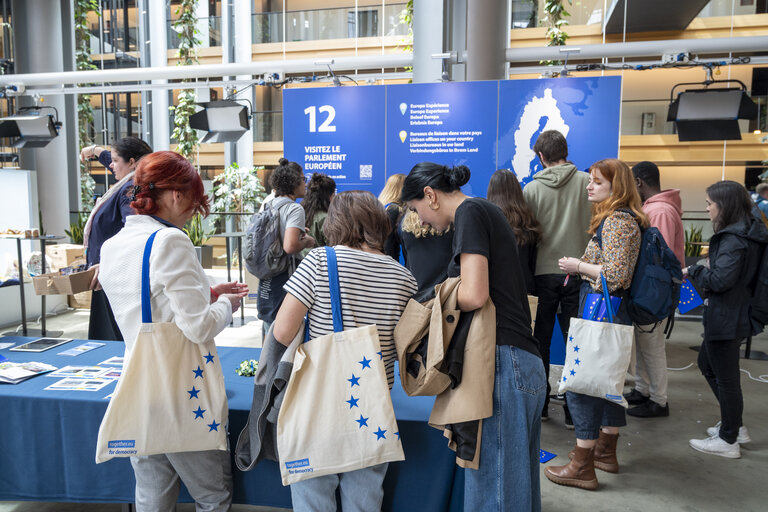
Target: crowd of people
(556,239)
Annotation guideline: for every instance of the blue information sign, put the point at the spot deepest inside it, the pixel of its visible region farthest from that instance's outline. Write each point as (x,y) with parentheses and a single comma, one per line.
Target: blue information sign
(338,131)
(585,110)
(361,135)
(448,123)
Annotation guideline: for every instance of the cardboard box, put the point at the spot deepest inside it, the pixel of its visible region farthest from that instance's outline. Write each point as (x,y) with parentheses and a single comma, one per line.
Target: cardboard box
(57,284)
(253,287)
(63,255)
(80,300)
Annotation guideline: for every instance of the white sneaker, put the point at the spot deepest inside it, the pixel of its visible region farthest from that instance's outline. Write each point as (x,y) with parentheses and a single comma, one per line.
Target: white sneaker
(743,433)
(716,446)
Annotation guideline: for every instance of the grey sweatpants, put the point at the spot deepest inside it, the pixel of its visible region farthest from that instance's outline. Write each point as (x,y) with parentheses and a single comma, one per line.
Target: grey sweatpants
(207,475)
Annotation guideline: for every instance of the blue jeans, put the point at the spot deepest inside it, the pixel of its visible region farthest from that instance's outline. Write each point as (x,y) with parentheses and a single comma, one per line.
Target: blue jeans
(361,491)
(508,476)
(589,413)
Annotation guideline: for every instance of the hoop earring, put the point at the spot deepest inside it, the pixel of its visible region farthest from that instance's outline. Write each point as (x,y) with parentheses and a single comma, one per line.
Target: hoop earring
(434,207)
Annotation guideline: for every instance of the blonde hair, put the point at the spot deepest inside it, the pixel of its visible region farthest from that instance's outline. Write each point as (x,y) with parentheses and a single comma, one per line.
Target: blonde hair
(392,190)
(412,224)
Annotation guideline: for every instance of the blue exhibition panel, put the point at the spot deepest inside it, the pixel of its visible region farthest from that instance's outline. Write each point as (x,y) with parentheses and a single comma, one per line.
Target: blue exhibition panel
(338,131)
(361,135)
(586,110)
(452,123)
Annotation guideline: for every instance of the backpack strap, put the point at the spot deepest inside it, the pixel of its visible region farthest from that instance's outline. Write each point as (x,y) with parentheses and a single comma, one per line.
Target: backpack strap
(599,232)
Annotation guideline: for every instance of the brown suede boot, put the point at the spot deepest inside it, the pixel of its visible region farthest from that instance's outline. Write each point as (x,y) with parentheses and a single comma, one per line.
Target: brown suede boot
(579,472)
(605,453)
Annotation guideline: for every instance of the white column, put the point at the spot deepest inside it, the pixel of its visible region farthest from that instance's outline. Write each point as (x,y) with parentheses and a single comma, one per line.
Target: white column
(243,11)
(38,41)
(487,39)
(226,58)
(158,56)
(427,40)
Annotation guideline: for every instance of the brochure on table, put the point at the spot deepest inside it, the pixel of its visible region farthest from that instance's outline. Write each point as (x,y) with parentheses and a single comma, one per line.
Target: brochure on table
(361,135)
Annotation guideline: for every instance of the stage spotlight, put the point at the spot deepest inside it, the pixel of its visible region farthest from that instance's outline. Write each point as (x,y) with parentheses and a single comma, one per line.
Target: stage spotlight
(27,130)
(710,114)
(224,120)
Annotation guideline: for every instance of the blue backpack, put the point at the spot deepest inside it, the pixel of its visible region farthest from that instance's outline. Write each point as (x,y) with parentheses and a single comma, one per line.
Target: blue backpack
(655,290)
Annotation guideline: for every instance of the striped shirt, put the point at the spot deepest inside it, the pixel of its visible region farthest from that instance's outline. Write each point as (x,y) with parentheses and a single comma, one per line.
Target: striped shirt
(374,289)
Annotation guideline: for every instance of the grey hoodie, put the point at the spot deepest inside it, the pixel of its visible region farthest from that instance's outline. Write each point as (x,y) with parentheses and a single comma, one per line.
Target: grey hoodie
(558,198)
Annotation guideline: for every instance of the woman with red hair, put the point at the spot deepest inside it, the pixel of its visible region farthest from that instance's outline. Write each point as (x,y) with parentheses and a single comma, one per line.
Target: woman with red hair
(617,220)
(168,192)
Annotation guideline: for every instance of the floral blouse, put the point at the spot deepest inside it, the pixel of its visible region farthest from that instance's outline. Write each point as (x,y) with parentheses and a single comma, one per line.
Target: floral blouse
(621,246)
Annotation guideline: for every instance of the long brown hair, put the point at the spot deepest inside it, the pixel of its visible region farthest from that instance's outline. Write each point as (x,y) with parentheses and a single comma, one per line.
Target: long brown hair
(624,194)
(505,192)
(320,190)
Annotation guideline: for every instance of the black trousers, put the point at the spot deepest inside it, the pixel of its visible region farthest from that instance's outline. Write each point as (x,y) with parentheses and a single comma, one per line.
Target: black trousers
(554,300)
(719,363)
(102,324)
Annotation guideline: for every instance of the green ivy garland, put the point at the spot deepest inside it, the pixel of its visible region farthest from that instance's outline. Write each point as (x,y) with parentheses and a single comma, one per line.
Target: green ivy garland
(555,19)
(186,27)
(406,18)
(84,108)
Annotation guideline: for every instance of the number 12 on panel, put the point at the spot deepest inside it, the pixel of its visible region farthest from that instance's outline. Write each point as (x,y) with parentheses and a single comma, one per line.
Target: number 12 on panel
(326,125)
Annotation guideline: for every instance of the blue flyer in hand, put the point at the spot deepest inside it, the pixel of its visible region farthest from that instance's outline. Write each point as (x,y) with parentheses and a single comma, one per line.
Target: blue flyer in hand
(689,297)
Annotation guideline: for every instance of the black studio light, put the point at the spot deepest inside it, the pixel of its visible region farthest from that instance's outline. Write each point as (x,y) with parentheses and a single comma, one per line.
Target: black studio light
(224,120)
(30,128)
(710,113)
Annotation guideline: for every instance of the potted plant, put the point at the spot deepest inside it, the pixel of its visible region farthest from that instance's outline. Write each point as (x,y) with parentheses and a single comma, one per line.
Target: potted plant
(76,229)
(236,190)
(693,247)
(197,234)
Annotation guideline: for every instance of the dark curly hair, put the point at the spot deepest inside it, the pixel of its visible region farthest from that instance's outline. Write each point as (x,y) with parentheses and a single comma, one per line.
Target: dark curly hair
(320,189)
(286,177)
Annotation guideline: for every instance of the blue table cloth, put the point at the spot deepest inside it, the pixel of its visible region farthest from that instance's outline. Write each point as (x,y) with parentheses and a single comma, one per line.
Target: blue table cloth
(48,442)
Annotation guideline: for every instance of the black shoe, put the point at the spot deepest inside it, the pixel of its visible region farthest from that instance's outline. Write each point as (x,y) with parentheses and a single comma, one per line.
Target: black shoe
(557,398)
(545,415)
(649,409)
(568,419)
(635,397)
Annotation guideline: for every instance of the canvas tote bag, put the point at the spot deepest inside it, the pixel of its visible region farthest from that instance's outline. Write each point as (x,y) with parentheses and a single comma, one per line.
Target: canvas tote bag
(337,413)
(597,355)
(171,395)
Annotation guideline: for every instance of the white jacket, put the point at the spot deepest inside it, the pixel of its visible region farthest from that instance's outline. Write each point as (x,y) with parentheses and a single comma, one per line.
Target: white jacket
(178,285)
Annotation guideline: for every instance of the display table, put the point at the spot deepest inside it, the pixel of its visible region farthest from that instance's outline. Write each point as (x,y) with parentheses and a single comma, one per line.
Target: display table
(42,239)
(239,237)
(48,443)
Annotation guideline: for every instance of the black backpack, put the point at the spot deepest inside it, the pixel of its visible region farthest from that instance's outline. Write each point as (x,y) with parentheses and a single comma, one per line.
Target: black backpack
(263,250)
(655,290)
(760,294)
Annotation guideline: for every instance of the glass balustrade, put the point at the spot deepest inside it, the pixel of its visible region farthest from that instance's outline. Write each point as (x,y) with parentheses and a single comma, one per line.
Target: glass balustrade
(267,126)
(209,33)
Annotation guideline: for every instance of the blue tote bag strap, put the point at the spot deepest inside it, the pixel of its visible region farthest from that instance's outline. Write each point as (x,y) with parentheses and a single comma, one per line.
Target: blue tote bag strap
(333,284)
(146,303)
(607,298)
